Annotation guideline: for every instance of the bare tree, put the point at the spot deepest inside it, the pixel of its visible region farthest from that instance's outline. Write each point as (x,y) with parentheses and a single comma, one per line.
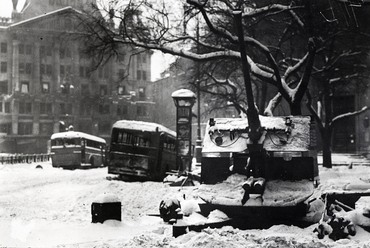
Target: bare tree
(333,75)
(143,24)
(276,42)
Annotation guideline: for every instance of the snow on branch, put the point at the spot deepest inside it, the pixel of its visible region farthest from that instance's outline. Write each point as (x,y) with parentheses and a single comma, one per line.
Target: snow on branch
(313,111)
(272,105)
(349,114)
(219,31)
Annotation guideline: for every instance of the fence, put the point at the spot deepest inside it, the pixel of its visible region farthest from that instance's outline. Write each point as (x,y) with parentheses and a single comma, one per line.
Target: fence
(24,158)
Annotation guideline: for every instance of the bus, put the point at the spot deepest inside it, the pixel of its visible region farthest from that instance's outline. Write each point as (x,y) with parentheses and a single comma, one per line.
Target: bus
(72,150)
(141,150)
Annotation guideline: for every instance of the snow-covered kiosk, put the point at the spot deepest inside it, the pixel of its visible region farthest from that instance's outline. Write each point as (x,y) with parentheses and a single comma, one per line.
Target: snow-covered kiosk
(105,207)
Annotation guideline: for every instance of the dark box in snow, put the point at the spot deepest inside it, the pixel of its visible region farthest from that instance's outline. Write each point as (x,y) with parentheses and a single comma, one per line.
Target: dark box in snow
(105,211)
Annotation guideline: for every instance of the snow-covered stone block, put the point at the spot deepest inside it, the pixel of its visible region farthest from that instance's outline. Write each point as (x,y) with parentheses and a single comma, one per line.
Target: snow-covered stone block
(105,207)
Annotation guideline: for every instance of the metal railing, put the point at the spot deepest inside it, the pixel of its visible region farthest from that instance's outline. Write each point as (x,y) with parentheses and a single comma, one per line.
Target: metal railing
(24,158)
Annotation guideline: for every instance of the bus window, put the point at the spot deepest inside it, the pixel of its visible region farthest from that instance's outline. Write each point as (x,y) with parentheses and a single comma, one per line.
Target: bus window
(120,137)
(71,142)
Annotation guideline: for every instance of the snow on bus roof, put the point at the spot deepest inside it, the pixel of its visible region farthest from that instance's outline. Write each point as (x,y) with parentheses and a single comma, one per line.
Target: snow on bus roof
(75,134)
(142,126)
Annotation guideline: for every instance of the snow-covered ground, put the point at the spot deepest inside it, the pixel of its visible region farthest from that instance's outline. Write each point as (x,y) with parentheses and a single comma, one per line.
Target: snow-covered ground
(51,207)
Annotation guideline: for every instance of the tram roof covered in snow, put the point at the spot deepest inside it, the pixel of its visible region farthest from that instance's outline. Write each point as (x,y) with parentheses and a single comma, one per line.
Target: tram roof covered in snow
(277,135)
(143,126)
(75,134)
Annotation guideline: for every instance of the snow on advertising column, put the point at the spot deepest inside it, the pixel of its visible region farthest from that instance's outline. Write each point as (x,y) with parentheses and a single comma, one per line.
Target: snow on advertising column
(105,207)
(184,100)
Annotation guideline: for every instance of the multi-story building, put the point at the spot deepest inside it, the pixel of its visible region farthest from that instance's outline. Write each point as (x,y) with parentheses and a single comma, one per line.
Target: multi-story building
(46,79)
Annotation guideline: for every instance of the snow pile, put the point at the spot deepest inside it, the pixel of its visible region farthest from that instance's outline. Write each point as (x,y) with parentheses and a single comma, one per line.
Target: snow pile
(106,198)
(52,208)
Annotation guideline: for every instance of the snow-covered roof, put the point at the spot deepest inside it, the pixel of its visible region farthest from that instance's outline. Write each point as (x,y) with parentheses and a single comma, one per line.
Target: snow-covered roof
(39,17)
(237,141)
(143,126)
(183,93)
(74,134)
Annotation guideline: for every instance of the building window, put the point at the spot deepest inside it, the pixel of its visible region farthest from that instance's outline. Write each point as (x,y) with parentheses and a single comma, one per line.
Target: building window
(46,128)
(28,49)
(141,92)
(21,68)
(62,72)
(65,108)
(103,109)
(85,89)
(103,90)
(82,71)
(68,52)
(42,69)
(106,72)
(82,54)
(121,90)
(4,47)
(121,73)
(142,111)
(122,110)
(42,51)
(48,51)
(25,87)
(4,67)
(28,68)
(138,59)
(45,87)
(21,48)
(4,87)
(62,53)
(85,109)
(25,128)
(25,108)
(45,50)
(45,108)
(6,128)
(141,75)
(7,107)
(49,70)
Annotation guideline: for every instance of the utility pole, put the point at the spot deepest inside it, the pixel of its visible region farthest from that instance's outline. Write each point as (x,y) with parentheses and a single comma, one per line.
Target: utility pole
(198,144)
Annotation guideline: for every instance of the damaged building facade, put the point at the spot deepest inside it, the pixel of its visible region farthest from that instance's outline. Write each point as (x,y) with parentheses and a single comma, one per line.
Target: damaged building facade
(47,80)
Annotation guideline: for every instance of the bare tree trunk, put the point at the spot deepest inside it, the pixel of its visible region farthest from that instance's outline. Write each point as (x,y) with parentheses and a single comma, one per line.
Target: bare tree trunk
(326,147)
(295,108)
(263,97)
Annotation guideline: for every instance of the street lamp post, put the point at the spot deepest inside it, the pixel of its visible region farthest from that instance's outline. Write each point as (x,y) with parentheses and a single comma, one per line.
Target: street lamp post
(198,143)
(184,100)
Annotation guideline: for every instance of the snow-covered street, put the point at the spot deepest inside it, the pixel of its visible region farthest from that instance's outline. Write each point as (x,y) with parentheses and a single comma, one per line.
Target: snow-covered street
(51,207)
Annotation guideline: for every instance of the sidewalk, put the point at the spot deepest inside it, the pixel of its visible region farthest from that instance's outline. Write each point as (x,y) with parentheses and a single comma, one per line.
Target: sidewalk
(346,159)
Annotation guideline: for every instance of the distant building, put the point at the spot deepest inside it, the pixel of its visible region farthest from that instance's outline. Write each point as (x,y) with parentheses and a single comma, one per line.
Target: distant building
(46,80)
